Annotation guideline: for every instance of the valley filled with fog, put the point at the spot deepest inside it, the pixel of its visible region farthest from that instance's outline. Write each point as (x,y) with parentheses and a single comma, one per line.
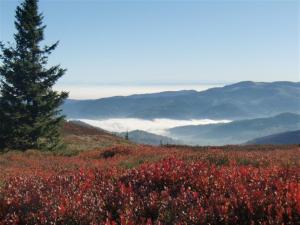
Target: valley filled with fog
(233,114)
(157,126)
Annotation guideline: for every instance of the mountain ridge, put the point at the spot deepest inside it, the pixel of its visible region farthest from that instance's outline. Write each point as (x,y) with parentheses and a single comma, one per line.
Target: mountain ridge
(241,100)
(236,132)
(290,137)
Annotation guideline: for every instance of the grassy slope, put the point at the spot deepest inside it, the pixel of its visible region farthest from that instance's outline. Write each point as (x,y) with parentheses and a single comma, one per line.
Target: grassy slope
(81,137)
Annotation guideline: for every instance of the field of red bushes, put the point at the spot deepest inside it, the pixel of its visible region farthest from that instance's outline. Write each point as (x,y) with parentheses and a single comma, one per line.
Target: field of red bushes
(152,185)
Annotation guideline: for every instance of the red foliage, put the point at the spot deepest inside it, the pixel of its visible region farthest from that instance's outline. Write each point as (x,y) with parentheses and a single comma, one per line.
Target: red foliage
(170,191)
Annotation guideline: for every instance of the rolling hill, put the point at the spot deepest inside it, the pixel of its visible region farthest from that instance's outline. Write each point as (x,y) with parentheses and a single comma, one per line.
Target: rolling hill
(80,136)
(236,132)
(291,137)
(237,101)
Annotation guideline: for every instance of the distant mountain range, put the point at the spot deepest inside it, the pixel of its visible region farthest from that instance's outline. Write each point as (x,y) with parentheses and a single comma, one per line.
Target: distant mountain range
(291,137)
(143,137)
(242,100)
(236,132)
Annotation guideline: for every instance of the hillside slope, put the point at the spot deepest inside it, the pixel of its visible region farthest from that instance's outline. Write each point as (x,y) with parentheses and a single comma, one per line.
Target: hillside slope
(291,137)
(80,136)
(236,132)
(237,101)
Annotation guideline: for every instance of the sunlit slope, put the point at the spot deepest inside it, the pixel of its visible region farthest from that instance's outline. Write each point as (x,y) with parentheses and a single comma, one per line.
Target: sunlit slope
(79,136)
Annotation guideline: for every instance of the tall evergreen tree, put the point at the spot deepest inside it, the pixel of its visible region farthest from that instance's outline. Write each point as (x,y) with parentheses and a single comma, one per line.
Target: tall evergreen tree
(29,108)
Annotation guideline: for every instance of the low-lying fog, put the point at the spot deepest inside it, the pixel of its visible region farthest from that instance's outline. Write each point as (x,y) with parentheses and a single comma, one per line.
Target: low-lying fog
(156,126)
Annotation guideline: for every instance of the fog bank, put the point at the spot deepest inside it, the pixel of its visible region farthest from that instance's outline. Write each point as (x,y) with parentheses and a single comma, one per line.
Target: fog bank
(157,126)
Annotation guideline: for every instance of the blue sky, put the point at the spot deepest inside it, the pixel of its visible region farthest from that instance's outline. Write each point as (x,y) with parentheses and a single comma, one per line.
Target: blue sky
(165,42)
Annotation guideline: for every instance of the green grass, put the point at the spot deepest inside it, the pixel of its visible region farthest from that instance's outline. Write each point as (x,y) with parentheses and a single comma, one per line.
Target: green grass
(218,160)
(248,162)
(135,162)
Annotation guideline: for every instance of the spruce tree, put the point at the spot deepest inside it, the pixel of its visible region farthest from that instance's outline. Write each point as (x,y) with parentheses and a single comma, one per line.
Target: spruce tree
(30,117)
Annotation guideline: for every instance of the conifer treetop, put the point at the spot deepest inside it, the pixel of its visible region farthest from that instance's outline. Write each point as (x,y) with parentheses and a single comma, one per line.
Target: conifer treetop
(29,108)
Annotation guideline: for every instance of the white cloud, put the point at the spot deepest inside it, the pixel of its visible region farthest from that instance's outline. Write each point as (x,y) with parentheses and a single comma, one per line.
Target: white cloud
(157,126)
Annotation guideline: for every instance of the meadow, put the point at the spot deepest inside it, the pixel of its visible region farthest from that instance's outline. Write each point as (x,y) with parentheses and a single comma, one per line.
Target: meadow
(136,184)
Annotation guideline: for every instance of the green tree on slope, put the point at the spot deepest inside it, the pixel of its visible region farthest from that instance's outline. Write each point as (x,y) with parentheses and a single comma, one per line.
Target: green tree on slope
(29,108)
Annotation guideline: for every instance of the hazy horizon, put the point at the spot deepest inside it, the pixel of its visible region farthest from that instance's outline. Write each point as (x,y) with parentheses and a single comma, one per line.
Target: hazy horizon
(95,91)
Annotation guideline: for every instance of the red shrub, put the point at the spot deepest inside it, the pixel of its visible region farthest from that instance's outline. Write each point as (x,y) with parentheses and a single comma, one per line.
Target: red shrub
(171,191)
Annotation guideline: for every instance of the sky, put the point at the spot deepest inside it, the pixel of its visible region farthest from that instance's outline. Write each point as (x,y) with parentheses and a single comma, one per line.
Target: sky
(138,43)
